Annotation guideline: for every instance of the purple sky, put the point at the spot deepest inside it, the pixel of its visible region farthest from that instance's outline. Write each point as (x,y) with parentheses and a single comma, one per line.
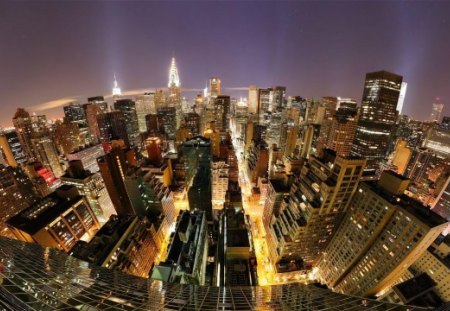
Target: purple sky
(54,50)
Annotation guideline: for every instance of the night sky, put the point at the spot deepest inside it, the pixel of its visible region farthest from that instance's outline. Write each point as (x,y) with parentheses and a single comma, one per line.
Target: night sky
(51,51)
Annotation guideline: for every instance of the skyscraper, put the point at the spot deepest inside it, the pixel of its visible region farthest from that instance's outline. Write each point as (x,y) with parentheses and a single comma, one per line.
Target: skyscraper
(378,116)
(214,87)
(253,99)
(221,112)
(310,215)
(11,148)
(401,98)
(112,125)
(145,104)
(24,130)
(383,233)
(116,91)
(436,111)
(128,108)
(174,97)
(113,168)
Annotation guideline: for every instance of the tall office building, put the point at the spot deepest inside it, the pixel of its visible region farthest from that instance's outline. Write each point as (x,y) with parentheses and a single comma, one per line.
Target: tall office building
(92,187)
(383,233)
(174,92)
(214,87)
(67,136)
(263,104)
(441,205)
(438,140)
(116,91)
(46,152)
(113,168)
(112,126)
(222,112)
(24,130)
(277,98)
(145,104)
(436,111)
(167,121)
(377,118)
(75,112)
(308,218)
(16,194)
(128,108)
(11,148)
(253,99)
(343,128)
(192,121)
(401,97)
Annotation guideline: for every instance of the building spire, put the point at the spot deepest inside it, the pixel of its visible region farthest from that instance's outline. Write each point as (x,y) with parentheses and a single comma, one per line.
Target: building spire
(116,91)
(174,79)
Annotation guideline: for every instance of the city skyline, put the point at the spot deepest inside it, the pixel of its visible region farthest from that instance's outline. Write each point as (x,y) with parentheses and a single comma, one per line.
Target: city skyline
(284,160)
(81,58)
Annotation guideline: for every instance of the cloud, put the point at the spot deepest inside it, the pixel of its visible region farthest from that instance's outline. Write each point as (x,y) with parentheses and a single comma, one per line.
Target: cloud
(53,104)
(239,88)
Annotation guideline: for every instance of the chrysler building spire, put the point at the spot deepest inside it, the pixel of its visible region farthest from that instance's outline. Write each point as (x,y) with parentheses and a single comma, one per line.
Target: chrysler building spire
(174,80)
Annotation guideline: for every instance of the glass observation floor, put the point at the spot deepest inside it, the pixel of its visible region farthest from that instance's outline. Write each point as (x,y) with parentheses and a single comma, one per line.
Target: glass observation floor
(36,278)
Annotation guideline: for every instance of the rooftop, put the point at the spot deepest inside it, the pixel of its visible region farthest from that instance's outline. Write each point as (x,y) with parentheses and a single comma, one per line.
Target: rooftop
(42,213)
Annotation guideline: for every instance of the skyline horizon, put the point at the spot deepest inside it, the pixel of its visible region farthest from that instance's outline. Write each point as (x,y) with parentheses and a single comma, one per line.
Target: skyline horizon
(133,92)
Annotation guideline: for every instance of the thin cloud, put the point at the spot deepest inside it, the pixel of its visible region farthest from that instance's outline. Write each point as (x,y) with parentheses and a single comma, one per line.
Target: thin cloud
(53,104)
(239,88)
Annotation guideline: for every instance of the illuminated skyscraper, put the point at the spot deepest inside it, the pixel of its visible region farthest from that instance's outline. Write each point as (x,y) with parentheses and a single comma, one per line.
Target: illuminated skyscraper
(378,116)
(401,98)
(307,219)
(253,99)
(24,130)
(11,148)
(383,233)
(112,125)
(174,92)
(214,87)
(116,91)
(113,168)
(436,111)
(128,108)
(145,104)
(174,79)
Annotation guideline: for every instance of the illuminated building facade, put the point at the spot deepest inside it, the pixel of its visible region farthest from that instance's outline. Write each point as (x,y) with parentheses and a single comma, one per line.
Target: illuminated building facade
(383,233)
(92,187)
(113,168)
(11,148)
(112,126)
(436,111)
(438,140)
(214,87)
(58,220)
(187,252)
(145,104)
(309,217)
(128,108)
(377,118)
(88,157)
(125,243)
(16,194)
